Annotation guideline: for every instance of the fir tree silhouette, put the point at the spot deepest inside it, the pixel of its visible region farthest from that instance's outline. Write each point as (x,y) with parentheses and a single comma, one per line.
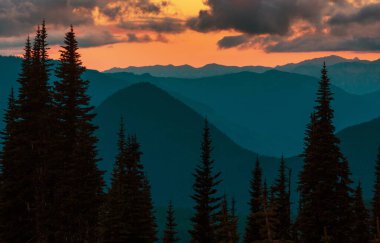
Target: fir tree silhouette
(113,225)
(170,232)
(361,224)
(281,202)
(227,220)
(138,216)
(252,231)
(375,221)
(207,202)
(324,183)
(80,182)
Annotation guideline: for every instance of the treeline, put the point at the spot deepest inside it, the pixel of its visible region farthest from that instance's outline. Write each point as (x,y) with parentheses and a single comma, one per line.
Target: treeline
(51,189)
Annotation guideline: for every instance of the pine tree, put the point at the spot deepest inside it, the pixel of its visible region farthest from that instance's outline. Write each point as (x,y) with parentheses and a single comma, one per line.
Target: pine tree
(80,193)
(267,217)
(375,221)
(7,159)
(252,232)
(170,233)
(281,201)
(205,195)
(148,230)
(7,135)
(17,193)
(28,181)
(113,226)
(138,216)
(223,231)
(360,231)
(324,180)
(234,223)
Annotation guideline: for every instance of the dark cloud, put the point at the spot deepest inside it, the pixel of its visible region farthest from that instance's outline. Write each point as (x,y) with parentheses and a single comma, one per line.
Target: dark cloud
(138,39)
(366,15)
(120,8)
(326,43)
(91,38)
(18,17)
(159,25)
(293,26)
(98,38)
(232,41)
(257,16)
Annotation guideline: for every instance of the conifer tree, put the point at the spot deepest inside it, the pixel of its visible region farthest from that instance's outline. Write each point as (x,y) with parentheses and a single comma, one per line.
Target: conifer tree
(17,193)
(113,226)
(138,216)
(80,193)
(281,202)
(170,232)
(28,183)
(375,221)
(252,231)
(7,159)
(224,222)
(324,180)
(7,135)
(267,217)
(234,223)
(227,223)
(207,202)
(148,229)
(360,231)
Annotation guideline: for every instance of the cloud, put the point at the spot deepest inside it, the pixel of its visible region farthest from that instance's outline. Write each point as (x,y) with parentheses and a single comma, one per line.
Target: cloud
(366,15)
(133,38)
(256,16)
(19,17)
(96,20)
(293,26)
(91,38)
(159,25)
(232,41)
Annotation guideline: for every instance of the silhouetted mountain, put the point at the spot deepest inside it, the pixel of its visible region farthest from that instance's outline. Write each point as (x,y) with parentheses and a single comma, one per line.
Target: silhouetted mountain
(265,112)
(170,136)
(353,75)
(330,60)
(101,85)
(187,71)
(360,144)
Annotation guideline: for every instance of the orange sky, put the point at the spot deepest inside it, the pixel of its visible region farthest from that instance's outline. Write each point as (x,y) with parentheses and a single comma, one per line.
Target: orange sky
(192,48)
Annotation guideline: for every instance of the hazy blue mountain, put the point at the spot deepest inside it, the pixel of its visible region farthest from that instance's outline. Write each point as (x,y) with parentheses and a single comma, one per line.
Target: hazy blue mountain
(101,85)
(352,75)
(315,62)
(170,136)
(265,112)
(360,144)
(187,71)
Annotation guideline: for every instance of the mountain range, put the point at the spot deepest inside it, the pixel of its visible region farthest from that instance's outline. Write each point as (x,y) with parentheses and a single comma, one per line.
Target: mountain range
(266,112)
(352,75)
(250,113)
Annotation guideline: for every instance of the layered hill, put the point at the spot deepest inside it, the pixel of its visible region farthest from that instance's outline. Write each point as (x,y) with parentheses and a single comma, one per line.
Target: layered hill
(360,144)
(352,75)
(170,137)
(265,112)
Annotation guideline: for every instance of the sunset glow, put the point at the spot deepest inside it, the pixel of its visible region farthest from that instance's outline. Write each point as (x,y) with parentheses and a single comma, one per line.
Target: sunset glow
(120,34)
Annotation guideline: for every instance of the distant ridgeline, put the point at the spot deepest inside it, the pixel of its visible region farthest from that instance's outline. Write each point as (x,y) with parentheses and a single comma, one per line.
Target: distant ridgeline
(53,183)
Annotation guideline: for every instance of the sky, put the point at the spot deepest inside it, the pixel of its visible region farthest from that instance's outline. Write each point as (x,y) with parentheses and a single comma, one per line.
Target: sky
(121,33)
